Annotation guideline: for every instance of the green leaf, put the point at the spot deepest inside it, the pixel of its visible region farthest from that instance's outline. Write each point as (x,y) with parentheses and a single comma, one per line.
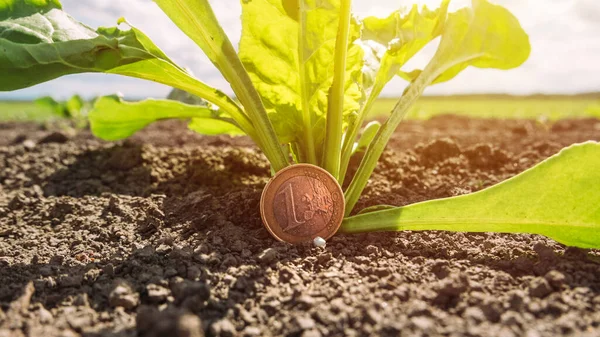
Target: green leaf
(19,8)
(213,126)
(402,35)
(288,49)
(376,208)
(393,41)
(186,97)
(74,106)
(35,21)
(198,21)
(269,51)
(114,119)
(49,103)
(558,198)
(484,36)
(368,134)
(40,42)
(489,36)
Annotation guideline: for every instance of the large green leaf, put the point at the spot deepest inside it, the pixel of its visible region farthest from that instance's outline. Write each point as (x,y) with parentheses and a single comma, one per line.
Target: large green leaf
(397,39)
(11,8)
(402,35)
(485,36)
(288,48)
(113,119)
(489,36)
(41,42)
(269,51)
(558,198)
(197,19)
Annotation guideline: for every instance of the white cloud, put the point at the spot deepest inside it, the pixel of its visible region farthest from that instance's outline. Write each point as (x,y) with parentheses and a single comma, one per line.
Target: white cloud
(564,38)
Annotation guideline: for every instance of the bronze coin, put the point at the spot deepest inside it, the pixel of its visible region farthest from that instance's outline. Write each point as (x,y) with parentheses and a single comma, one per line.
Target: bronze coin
(302,202)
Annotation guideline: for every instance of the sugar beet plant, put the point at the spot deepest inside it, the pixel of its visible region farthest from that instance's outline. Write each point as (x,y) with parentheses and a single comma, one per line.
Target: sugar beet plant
(306,75)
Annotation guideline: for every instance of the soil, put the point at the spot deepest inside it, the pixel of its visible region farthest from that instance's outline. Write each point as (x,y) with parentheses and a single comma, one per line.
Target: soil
(160,235)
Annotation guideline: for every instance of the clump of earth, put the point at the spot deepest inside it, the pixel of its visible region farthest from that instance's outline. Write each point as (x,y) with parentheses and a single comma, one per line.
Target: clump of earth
(160,235)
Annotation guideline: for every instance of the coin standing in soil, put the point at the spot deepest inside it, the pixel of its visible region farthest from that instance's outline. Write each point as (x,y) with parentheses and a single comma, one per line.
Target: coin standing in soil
(302,202)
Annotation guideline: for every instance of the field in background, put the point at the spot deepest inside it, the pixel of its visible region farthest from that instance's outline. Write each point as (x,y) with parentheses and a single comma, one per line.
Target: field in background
(498,106)
(23,111)
(491,106)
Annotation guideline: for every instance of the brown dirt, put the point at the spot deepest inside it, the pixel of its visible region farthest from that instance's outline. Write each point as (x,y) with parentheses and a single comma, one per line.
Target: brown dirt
(160,236)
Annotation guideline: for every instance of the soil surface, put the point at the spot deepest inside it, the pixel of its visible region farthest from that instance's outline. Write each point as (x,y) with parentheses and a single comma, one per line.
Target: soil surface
(160,235)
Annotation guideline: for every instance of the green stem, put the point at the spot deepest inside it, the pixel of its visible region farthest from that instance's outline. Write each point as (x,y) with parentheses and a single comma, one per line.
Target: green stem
(226,104)
(199,16)
(335,110)
(353,130)
(242,85)
(180,79)
(369,161)
(308,146)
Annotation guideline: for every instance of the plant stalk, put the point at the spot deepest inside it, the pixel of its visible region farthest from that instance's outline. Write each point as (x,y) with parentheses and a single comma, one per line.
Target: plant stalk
(224,102)
(335,106)
(354,128)
(249,97)
(184,81)
(374,151)
(308,146)
(199,17)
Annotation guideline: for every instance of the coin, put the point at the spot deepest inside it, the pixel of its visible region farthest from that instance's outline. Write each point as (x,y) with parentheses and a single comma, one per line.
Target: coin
(302,202)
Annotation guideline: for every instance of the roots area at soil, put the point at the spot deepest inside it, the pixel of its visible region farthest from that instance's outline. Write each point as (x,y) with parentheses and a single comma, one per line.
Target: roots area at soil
(160,235)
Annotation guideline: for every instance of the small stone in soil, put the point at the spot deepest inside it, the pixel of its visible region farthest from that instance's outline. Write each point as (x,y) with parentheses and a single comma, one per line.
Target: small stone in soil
(45,316)
(555,278)
(251,331)
(81,300)
(156,293)
(222,328)
(189,326)
(267,256)
(29,144)
(423,323)
(474,315)
(22,302)
(123,296)
(304,323)
(319,242)
(311,333)
(539,287)
(305,301)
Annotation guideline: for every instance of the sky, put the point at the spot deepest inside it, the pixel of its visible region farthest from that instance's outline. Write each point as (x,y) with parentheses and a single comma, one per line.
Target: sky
(564,36)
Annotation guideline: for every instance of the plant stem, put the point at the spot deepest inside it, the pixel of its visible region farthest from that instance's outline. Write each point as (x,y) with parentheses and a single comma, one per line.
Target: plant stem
(369,161)
(241,84)
(308,146)
(335,109)
(197,19)
(354,128)
(181,79)
(224,102)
